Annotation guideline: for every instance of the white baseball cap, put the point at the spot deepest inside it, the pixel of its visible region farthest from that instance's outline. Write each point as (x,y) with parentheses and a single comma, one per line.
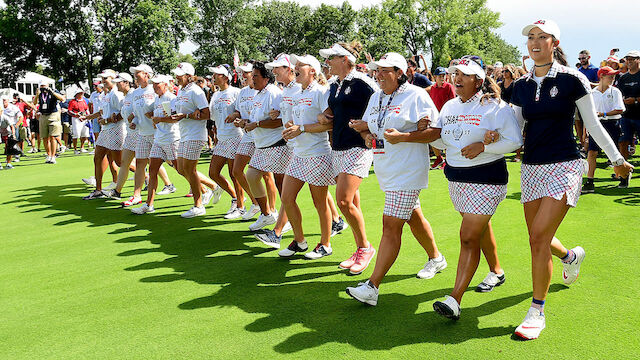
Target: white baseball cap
(123,76)
(390,59)
(220,70)
(247,67)
(184,68)
(308,60)
(633,53)
(338,50)
(498,64)
(108,73)
(142,67)
(468,67)
(42,82)
(159,78)
(281,60)
(548,26)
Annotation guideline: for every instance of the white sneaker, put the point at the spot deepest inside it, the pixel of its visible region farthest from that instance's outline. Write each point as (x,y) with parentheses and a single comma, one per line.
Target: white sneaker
(249,214)
(47,160)
(234,212)
(286,228)
(9,166)
(293,248)
(448,308)
(532,325)
(63,149)
(365,292)
(111,186)
(206,197)
(76,152)
(217,194)
(53,160)
(16,159)
(91,181)
(83,150)
(143,209)
(319,251)
(167,189)
(432,267)
(492,280)
(263,220)
(571,270)
(1,167)
(194,211)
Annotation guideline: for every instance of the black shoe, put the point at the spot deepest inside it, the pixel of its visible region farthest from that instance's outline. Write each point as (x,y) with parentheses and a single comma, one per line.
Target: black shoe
(624,183)
(338,226)
(588,188)
(490,282)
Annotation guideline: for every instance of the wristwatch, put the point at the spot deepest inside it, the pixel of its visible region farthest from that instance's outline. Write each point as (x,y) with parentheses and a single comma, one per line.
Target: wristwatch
(301,128)
(618,162)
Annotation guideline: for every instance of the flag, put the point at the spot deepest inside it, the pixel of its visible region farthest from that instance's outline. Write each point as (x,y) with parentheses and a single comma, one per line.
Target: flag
(236,58)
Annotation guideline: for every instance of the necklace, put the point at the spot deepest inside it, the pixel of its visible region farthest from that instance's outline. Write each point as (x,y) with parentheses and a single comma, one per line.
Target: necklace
(543,65)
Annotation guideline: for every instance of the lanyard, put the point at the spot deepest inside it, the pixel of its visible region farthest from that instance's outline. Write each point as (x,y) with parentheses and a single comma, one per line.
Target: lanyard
(382,113)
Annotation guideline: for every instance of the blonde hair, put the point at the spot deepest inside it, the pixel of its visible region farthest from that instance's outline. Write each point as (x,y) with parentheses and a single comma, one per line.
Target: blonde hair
(354,47)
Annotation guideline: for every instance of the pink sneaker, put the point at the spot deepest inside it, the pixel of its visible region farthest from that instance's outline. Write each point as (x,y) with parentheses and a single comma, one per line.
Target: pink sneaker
(347,264)
(131,201)
(363,258)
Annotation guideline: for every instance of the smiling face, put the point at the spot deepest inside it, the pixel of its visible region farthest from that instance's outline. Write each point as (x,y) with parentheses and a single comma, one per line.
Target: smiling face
(465,85)
(220,80)
(388,79)
(338,64)
(304,74)
(282,74)
(160,88)
(633,63)
(183,80)
(248,78)
(259,82)
(540,46)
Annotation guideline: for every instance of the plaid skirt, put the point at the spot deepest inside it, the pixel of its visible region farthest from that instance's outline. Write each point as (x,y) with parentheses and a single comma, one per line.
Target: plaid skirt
(228,148)
(273,159)
(356,161)
(401,203)
(112,138)
(473,198)
(166,152)
(143,148)
(552,180)
(191,149)
(246,149)
(131,141)
(314,170)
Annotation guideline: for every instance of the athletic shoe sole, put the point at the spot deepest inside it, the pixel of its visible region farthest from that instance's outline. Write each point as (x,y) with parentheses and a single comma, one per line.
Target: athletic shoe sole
(367,302)
(442,309)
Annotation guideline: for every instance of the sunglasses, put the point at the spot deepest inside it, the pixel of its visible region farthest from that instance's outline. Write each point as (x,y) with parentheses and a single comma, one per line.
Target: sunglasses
(475,58)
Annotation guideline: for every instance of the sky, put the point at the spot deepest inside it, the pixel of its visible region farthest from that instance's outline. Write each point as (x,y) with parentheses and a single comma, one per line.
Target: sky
(580,23)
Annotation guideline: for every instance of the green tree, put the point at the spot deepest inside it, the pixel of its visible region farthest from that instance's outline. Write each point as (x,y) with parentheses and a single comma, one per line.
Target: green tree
(379,32)
(284,21)
(328,25)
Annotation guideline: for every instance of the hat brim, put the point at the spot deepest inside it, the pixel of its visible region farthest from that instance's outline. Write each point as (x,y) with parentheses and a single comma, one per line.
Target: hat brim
(467,70)
(325,53)
(179,72)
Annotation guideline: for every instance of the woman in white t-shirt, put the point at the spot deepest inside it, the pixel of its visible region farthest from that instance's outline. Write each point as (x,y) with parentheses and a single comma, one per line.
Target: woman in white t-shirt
(401,168)
(228,138)
(477,172)
(165,138)
(609,106)
(192,114)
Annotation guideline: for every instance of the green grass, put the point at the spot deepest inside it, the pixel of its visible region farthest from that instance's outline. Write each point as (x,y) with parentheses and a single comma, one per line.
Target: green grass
(88,280)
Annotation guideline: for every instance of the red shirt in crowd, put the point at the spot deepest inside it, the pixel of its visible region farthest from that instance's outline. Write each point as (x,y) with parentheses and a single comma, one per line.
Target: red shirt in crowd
(441,94)
(76,107)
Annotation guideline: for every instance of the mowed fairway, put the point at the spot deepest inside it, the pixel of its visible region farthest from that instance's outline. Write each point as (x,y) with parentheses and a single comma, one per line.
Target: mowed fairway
(89,280)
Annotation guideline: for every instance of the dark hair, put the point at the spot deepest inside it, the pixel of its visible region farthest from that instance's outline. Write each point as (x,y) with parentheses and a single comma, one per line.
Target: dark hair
(264,72)
(585,52)
(559,56)
(403,78)
(412,63)
(490,89)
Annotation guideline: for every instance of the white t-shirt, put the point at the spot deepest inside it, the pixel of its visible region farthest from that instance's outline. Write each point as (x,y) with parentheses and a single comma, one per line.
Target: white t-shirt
(308,104)
(285,106)
(608,101)
(10,116)
(127,108)
(111,105)
(405,165)
(263,102)
(192,98)
(143,99)
(222,105)
(93,98)
(98,102)
(466,123)
(166,133)
(243,105)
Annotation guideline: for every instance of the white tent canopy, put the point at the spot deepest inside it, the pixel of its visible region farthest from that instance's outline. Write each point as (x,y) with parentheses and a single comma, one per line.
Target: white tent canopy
(30,82)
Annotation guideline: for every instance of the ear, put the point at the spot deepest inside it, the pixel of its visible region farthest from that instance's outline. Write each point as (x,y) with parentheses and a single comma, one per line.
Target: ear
(557,43)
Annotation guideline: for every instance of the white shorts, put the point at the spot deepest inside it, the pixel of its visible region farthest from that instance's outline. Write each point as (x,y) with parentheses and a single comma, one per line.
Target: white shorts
(473,198)
(401,203)
(191,149)
(314,170)
(356,161)
(79,129)
(166,152)
(552,180)
(111,138)
(228,148)
(143,149)
(131,141)
(274,159)
(246,149)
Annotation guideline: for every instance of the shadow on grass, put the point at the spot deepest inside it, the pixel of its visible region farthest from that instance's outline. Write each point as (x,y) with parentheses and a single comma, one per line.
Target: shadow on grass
(255,280)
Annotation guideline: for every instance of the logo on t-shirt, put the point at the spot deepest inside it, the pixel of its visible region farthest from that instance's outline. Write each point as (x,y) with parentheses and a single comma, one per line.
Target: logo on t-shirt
(347,91)
(553,92)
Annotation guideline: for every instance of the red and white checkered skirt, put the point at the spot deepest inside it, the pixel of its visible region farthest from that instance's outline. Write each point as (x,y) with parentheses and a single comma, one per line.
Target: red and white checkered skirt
(552,180)
(228,148)
(131,141)
(112,138)
(166,152)
(246,149)
(401,203)
(191,149)
(474,198)
(143,148)
(356,161)
(314,170)
(273,159)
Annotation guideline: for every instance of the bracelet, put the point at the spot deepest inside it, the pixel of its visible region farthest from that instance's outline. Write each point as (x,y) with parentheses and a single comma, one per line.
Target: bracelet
(258,124)
(605,114)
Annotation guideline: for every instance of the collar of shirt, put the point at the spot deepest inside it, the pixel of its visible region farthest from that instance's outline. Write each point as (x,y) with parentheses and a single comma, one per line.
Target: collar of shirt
(476,97)
(311,86)
(553,71)
(289,85)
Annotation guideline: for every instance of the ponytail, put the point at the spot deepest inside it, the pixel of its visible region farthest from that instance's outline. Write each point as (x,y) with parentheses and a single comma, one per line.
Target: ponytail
(558,54)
